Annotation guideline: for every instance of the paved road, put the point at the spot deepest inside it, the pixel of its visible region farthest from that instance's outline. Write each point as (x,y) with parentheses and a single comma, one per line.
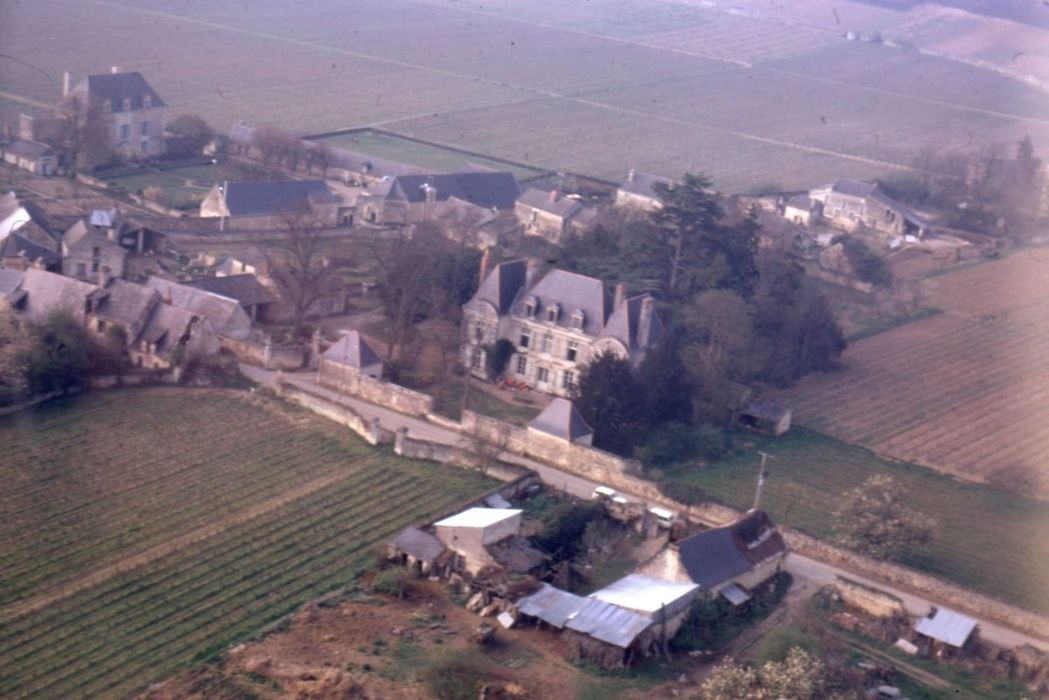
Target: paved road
(809,574)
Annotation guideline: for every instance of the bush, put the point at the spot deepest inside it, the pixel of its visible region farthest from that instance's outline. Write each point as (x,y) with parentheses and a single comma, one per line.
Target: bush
(564,526)
(685,492)
(392,582)
(673,443)
(459,677)
(58,359)
(868,265)
(497,357)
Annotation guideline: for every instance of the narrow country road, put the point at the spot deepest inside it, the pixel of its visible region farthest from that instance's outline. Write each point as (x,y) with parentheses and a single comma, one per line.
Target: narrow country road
(808,573)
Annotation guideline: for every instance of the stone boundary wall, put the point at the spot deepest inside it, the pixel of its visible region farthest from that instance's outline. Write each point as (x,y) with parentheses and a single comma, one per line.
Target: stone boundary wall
(456,455)
(265,355)
(369,430)
(872,601)
(393,396)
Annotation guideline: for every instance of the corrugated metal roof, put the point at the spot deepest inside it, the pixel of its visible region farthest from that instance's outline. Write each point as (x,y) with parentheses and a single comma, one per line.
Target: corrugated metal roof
(551,605)
(947,626)
(479,517)
(609,623)
(645,593)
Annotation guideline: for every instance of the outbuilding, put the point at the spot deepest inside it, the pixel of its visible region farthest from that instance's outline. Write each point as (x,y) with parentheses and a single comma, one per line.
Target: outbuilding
(468,533)
(945,632)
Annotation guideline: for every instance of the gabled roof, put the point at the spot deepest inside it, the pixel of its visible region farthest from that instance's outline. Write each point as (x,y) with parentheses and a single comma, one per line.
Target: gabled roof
(26,148)
(353,351)
(801,201)
(115,87)
(625,322)
(947,626)
(558,204)
(571,291)
(562,419)
(103,217)
(503,284)
(871,191)
(418,544)
(22,214)
(18,246)
(551,605)
(851,188)
(491,189)
(645,593)
(81,235)
(245,288)
(609,623)
(167,325)
(719,555)
(47,292)
(640,183)
(224,314)
(127,303)
(275,197)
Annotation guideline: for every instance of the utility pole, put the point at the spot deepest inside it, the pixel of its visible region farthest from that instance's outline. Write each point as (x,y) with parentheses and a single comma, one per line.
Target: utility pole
(762,475)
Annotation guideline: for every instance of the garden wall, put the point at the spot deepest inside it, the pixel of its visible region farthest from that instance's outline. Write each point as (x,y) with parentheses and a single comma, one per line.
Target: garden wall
(265,355)
(369,430)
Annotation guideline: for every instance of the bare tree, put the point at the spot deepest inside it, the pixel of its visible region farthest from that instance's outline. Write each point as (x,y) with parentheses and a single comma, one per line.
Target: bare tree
(79,129)
(188,134)
(278,147)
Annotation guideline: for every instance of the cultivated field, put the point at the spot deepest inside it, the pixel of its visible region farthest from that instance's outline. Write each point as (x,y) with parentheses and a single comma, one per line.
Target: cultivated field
(982,532)
(147,529)
(754,99)
(964,391)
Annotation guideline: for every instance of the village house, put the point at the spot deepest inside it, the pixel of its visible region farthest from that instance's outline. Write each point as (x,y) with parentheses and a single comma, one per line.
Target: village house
(225,315)
(29,155)
(470,532)
(35,294)
(556,321)
(729,561)
(637,191)
(802,210)
(417,198)
(28,220)
(246,289)
(553,216)
(92,253)
(20,253)
(346,361)
(850,205)
(272,204)
(561,420)
(134,114)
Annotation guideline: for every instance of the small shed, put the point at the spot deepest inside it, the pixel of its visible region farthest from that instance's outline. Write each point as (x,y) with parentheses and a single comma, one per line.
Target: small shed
(347,360)
(944,632)
(801,209)
(469,532)
(658,599)
(551,606)
(608,635)
(766,416)
(561,419)
(418,550)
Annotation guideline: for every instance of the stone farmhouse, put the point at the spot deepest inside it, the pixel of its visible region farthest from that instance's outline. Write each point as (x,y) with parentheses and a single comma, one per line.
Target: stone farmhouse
(637,193)
(553,216)
(850,205)
(416,198)
(133,112)
(272,204)
(92,253)
(556,321)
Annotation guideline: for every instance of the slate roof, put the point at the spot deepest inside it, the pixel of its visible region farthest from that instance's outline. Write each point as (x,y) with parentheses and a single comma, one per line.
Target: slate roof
(15,245)
(81,235)
(103,217)
(115,87)
(26,148)
(562,419)
(488,189)
(245,288)
(624,324)
(10,282)
(539,199)
(640,183)
(947,626)
(10,204)
(572,292)
(609,623)
(127,304)
(502,285)
(47,292)
(870,190)
(719,555)
(418,544)
(166,326)
(274,197)
(352,350)
(225,314)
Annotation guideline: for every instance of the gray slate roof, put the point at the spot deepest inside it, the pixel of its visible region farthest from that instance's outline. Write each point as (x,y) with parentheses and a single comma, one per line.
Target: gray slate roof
(127,304)
(562,419)
(561,206)
(10,281)
(502,285)
(572,292)
(418,544)
(276,197)
(245,288)
(495,189)
(25,148)
(117,86)
(47,292)
(625,322)
(15,245)
(225,314)
(352,350)
(81,235)
(719,555)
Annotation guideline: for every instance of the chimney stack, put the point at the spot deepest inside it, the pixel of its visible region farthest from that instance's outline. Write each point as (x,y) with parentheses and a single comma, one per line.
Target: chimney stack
(26,127)
(644,321)
(553,195)
(486,259)
(630,177)
(103,276)
(67,83)
(620,295)
(530,272)
(114,69)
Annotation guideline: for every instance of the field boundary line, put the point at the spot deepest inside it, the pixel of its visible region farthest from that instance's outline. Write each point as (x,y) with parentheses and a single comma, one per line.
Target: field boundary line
(171,546)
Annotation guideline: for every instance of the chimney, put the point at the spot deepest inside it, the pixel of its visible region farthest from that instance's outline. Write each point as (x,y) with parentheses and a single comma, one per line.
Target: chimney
(26,127)
(630,176)
(111,232)
(553,195)
(115,69)
(530,272)
(620,295)
(644,321)
(431,201)
(486,260)
(67,83)
(103,276)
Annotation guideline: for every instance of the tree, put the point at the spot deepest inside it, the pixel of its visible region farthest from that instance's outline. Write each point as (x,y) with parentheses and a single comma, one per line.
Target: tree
(278,147)
(58,358)
(610,399)
(799,676)
(497,357)
(81,131)
(873,520)
(14,343)
(188,134)
(668,387)
(720,337)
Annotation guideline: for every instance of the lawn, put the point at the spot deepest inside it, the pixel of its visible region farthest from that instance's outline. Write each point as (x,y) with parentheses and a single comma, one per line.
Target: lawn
(271,513)
(983,533)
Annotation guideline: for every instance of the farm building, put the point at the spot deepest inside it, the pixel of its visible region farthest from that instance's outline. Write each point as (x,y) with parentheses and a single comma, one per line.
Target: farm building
(660,600)
(28,220)
(415,198)
(272,204)
(552,216)
(850,204)
(561,420)
(420,551)
(637,192)
(801,209)
(135,115)
(32,156)
(765,416)
(19,253)
(944,632)
(224,314)
(469,533)
(346,360)
(556,321)
(252,296)
(746,553)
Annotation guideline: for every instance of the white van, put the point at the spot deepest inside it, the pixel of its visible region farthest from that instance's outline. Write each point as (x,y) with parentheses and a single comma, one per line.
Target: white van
(603,492)
(663,517)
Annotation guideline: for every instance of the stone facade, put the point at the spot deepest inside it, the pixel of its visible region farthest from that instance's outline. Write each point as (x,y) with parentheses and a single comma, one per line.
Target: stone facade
(134,114)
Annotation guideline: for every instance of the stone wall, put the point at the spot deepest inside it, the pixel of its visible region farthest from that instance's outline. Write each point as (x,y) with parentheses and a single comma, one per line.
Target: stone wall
(392,396)
(872,601)
(456,455)
(265,355)
(369,430)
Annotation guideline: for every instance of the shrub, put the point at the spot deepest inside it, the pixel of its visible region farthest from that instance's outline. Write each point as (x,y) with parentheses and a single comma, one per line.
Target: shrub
(684,492)
(392,582)
(459,677)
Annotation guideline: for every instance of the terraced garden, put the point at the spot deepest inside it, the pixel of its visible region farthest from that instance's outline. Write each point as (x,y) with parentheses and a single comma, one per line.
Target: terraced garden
(144,530)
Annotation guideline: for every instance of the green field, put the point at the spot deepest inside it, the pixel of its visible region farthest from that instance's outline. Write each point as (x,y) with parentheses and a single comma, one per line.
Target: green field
(987,540)
(423,155)
(595,88)
(181,186)
(298,508)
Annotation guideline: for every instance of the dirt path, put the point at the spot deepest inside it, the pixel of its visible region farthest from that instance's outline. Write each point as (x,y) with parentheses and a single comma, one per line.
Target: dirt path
(83,582)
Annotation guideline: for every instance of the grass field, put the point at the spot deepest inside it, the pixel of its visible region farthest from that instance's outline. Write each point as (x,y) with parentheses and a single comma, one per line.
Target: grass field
(962,391)
(986,537)
(147,529)
(595,88)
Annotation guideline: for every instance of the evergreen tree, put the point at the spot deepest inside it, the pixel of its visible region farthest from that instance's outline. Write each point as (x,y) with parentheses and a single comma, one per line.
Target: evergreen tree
(612,401)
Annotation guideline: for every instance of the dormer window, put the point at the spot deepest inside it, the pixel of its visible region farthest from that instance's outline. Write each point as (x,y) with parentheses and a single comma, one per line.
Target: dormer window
(553,313)
(531,306)
(578,319)
(147,101)
(127,104)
